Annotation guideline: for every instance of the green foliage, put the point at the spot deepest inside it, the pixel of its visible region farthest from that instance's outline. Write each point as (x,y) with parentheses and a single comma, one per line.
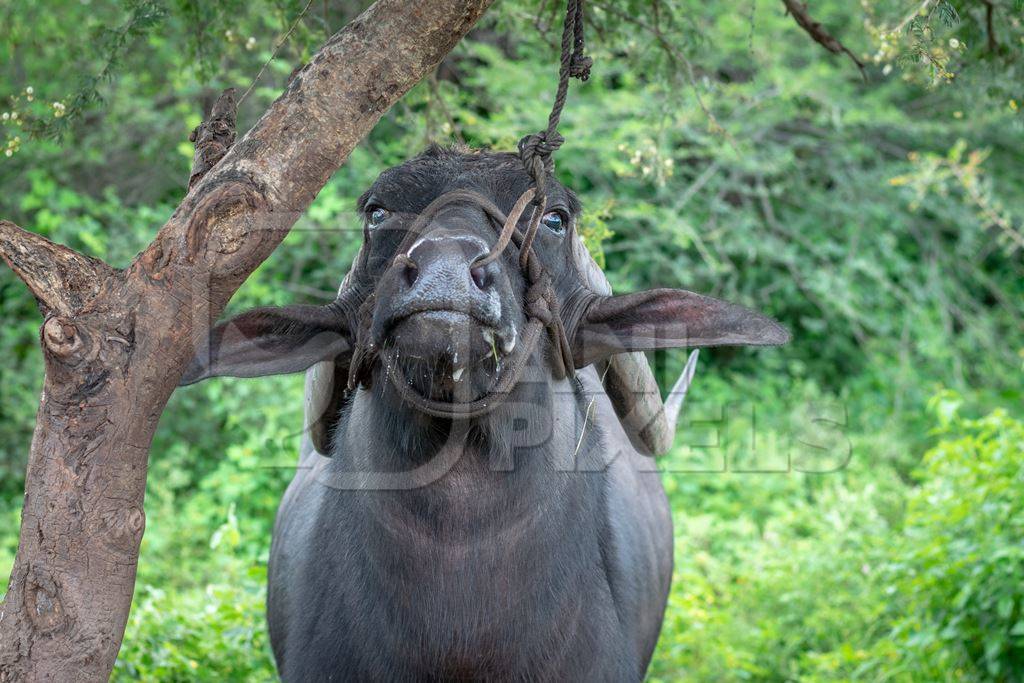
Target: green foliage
(960,567)
(826,528)
(216,633)
(847,587)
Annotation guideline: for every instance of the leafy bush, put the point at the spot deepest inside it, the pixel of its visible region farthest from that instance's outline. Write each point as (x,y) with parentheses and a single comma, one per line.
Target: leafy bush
(840,589)
(214,633)
(959,571)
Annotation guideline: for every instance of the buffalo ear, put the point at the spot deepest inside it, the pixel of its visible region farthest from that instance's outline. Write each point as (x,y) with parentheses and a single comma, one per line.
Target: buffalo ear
(270,341)
(668,318)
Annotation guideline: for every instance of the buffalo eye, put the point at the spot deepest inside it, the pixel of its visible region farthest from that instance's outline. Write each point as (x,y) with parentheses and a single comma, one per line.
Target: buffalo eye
(555,221)
(375,215)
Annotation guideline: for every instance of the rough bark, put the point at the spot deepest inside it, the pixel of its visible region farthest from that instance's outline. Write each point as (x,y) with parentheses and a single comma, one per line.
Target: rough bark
(116,342)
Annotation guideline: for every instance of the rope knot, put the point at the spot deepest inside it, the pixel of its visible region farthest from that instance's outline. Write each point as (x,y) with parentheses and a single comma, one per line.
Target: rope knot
(540,146)
(579,66)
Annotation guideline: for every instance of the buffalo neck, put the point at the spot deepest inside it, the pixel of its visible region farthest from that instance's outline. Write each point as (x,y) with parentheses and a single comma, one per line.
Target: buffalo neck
(516,461)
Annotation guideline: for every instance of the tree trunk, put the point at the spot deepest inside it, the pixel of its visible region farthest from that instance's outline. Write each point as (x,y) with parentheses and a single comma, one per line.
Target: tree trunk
(116,342)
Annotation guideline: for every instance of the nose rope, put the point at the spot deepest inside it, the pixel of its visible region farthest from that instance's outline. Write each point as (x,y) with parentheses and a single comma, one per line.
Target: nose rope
(540,305)
(509,227)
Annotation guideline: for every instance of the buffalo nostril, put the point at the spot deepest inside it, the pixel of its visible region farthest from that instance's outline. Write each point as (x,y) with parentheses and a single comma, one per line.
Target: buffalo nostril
(481,278)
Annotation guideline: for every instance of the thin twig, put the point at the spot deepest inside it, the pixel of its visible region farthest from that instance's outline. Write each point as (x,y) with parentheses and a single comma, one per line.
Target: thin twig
(273,55)
(910,17)
(677,57)
(768,213)
(819,35)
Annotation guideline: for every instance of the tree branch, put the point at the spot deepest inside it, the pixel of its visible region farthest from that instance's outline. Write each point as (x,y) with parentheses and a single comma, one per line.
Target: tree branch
(61,279)
(818,33)
(990,30)
(117,341)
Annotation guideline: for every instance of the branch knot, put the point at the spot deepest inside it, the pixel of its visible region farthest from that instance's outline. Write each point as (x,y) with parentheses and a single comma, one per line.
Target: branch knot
(60,337)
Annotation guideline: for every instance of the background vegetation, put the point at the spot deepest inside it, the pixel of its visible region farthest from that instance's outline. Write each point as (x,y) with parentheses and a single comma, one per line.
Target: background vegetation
(847,507)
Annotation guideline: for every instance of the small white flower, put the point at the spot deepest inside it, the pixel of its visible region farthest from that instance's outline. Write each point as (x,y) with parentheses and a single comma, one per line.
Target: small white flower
(29,90)
(954,43)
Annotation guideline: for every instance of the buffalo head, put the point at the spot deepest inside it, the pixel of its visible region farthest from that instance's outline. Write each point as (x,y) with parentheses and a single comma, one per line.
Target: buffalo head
(450,322)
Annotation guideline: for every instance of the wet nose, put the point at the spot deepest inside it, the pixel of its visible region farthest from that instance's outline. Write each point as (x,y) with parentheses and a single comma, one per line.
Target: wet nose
(444,261)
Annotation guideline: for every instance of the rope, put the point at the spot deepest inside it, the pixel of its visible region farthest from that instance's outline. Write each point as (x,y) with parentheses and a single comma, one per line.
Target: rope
(507,229)
(536,150)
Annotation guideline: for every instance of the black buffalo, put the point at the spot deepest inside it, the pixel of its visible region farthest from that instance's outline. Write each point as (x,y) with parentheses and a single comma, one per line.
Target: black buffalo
(532,541)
